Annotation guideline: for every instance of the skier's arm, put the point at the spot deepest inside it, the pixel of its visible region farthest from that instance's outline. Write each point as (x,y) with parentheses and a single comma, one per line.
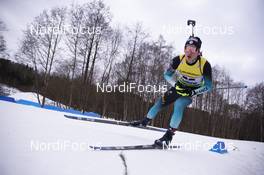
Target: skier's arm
(207,74)
(168,74)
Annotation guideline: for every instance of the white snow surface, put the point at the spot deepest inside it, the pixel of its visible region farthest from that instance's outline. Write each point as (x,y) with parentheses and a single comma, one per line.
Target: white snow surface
(32,96)
(39,141)
(29,96)
(9,90)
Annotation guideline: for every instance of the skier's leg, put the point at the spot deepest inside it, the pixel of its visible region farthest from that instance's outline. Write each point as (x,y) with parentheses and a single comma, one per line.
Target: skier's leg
(151,114)
(155,109)
(168,97)
(179,106)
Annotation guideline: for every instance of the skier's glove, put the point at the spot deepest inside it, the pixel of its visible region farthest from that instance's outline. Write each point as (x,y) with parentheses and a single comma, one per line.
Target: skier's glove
(186,92)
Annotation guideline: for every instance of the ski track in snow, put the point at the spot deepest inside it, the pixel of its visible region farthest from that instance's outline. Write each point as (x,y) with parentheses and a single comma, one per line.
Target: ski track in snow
(23,127)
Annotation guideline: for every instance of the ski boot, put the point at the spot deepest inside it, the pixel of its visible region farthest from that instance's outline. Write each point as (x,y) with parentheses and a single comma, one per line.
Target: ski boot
(166,138)
(141,123)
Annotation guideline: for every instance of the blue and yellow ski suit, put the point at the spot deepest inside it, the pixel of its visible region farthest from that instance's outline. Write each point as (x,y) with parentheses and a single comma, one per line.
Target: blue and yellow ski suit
(195,78)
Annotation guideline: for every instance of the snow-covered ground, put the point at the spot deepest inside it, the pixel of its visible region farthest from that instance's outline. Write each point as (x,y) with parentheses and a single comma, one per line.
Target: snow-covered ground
(29,96)
(40,141)
(6,90)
